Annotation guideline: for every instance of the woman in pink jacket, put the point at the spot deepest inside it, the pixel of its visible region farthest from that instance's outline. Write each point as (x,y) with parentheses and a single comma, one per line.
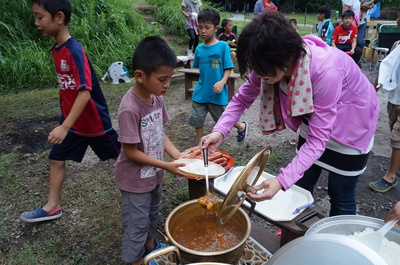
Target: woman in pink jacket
(312,88)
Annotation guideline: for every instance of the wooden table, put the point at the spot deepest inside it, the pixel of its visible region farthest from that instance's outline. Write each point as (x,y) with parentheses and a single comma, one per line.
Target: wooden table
(192,75)
(182,64)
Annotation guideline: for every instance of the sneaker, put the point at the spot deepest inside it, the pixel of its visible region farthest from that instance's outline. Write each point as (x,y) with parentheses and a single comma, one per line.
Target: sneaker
(242,135)
(189,52)
(40,215)
(382,185)
(157,245)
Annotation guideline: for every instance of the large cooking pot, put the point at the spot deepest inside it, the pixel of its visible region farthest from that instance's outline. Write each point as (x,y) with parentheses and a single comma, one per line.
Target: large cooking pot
(325,243)
(173,257)
(192,208)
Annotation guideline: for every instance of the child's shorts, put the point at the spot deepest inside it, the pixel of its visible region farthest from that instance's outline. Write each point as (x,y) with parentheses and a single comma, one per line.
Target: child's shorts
(74,147)
(394,123)
(199,112)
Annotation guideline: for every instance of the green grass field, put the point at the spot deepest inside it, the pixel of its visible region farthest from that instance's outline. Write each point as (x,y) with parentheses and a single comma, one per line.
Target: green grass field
(303,21)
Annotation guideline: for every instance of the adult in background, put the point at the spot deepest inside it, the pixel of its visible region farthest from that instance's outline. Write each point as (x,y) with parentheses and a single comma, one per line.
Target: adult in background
(312,88)
(360,20)
(262,5)
(190,9)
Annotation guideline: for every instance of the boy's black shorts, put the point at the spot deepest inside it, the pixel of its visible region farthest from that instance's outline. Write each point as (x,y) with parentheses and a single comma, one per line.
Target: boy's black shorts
(74,147)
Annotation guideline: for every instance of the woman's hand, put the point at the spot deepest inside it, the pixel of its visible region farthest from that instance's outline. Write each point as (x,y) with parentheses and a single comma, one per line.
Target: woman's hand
(212,141)
(271,186)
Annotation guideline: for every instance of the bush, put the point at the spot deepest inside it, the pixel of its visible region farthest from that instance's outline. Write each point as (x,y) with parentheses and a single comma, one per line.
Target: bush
(108,31)
(168,12)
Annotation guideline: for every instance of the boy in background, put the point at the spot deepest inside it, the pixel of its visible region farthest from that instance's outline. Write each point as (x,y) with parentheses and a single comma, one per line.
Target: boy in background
(139,170)
(212,57)
(324,28)
(228,36)
(345,36)
(85,119)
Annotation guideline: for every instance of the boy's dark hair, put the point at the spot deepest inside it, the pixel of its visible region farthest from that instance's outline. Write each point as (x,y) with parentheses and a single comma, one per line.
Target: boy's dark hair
(324,10)
(348,13)
(151,53)
(267,43)
(209,15)
(294,21)
(55,6)
(225,22)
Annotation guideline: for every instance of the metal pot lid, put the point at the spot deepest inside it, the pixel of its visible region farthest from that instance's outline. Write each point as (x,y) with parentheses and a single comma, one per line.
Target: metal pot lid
(246,178)
(327,249)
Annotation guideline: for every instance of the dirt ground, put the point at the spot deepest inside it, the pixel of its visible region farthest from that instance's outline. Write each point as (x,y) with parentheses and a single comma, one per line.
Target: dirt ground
(29,138)
(30,134)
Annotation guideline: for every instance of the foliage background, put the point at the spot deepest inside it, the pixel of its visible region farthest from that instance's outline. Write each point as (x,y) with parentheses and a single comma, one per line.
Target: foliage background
(108,30)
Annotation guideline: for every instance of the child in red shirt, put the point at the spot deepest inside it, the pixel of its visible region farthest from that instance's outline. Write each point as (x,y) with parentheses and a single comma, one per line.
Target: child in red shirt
(228,36)
(345,36)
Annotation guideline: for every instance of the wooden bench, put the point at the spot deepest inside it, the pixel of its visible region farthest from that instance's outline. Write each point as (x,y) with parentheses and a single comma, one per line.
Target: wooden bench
(193,75)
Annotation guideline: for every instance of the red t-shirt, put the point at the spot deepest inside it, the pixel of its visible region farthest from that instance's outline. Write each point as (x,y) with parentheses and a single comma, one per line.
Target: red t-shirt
(74,73)
(343,36)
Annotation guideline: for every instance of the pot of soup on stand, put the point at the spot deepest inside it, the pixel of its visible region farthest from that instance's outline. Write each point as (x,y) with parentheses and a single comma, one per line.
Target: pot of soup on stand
(216,234)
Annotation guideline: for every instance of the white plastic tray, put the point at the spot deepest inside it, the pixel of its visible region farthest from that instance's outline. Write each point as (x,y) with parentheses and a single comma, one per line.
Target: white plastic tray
(280,207)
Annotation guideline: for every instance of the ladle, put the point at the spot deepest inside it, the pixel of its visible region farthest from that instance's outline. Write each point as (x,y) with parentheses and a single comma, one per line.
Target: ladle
(374,240)
(205,156)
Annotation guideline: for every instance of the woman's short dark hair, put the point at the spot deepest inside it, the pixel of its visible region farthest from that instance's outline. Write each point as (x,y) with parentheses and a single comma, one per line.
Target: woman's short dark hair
(269,42)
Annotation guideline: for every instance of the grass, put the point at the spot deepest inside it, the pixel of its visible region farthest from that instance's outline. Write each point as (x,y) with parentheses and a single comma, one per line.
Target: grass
(108,30)
(310,19)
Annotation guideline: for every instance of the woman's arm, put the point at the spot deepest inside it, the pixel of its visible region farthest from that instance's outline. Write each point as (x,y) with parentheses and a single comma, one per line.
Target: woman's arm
(319,130)
(326,92)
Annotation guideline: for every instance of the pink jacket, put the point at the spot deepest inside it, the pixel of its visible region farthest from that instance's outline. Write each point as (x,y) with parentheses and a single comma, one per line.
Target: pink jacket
(346,108)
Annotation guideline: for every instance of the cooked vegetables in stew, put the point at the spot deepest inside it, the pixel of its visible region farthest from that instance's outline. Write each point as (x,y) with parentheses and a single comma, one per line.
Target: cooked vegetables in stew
(208,201)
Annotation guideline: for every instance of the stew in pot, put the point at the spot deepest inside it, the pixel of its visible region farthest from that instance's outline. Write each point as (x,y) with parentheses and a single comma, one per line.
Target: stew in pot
(203,233)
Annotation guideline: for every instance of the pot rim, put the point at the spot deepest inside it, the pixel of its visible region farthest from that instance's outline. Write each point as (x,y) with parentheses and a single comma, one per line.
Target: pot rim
(347,220)
(303,244)
(200,253)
